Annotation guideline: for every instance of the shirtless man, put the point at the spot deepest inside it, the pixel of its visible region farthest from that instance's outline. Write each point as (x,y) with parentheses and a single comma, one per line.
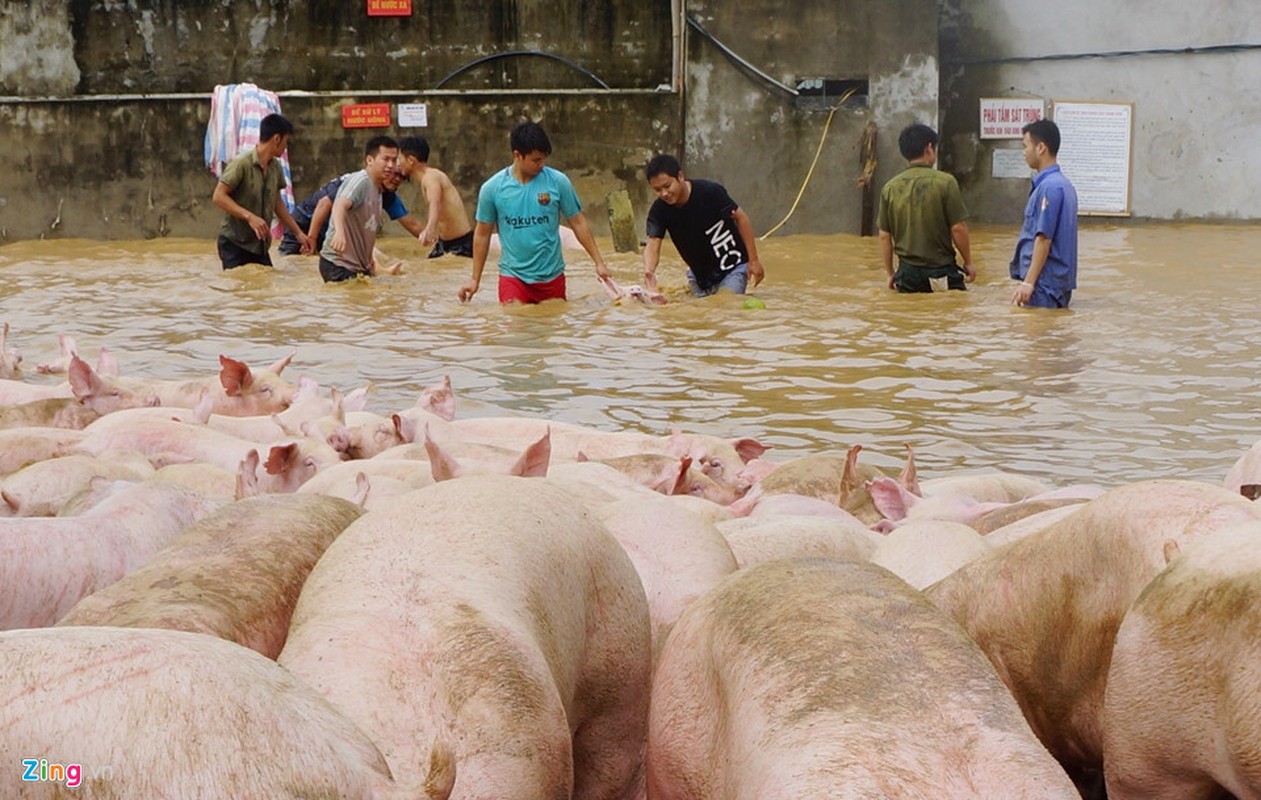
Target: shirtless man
(447,227)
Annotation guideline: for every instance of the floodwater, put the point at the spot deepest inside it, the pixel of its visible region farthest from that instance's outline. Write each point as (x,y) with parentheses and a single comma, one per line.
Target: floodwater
(1152,373)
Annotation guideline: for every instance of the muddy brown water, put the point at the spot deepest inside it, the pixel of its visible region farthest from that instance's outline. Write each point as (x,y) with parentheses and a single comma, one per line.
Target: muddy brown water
(1152,373)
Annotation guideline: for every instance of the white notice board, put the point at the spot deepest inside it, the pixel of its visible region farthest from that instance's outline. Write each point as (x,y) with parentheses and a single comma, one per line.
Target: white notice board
(1095,148)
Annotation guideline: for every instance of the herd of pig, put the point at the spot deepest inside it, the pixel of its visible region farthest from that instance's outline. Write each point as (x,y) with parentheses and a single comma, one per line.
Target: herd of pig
(238,587)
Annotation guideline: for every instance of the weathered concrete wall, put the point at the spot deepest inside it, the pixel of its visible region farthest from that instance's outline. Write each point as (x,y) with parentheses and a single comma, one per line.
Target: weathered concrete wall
(759,142)
(1195,115)
(190,45)
(36,49)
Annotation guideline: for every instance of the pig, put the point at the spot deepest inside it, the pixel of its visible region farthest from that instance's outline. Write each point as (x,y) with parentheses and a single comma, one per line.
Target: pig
(237,390)
(10,359)
(1245,474)
(1046,608)
(923,552)
(43,488)
(494,609)
(757,539)
(830,678)
(1014,512)
(1183,696)
(342,480)
(669,475)
(53,412)
(22,446)
(287,467)
(234,574)
(1027,526)
(678,555)
(17,392)
(106,364)
(206,479)
(838,481)
(166,441)
(48,565)
(155,713)
(532,462)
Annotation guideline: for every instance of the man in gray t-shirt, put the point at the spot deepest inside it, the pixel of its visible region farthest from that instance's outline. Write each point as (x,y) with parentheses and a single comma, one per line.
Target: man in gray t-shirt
(356,217)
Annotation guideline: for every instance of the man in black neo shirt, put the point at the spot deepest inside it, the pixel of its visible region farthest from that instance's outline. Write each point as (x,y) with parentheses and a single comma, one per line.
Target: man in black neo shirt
(712,234)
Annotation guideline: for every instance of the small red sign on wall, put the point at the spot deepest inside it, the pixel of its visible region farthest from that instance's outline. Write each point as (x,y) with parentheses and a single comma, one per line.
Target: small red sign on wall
(389,8)
(366,115)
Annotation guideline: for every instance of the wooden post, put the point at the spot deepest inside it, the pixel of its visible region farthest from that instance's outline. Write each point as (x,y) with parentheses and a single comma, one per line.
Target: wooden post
(867,155)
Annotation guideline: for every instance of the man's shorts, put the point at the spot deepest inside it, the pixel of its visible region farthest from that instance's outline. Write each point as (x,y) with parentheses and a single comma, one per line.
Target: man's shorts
(910,278)
(515,290)
(233,255)
(332,273)
(736,281)
(459,246)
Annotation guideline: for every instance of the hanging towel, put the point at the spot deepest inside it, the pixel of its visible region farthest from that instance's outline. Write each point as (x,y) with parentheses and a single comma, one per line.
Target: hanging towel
(236,110)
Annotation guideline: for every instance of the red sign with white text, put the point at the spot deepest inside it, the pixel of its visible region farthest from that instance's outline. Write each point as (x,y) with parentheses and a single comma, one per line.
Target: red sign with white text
(389,8)
(366,115)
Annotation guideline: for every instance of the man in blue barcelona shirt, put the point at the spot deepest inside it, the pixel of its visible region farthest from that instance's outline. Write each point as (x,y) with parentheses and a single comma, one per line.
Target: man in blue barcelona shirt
(1045,261)
(525,202)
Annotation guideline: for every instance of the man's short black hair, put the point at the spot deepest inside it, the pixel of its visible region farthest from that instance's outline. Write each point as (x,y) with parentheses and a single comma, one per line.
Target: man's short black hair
(915,139)
(414,146)
(663,163)
(1045,131)
(376,143)
(272,125)
(527,137)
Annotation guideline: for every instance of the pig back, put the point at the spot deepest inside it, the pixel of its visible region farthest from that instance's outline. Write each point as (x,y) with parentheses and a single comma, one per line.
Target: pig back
(235,574)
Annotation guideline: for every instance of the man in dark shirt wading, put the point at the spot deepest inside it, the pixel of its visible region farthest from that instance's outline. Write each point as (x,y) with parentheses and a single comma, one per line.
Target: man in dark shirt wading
(712,234)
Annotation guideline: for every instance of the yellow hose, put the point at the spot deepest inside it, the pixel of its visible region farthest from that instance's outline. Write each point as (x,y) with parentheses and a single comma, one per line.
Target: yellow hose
(810,172)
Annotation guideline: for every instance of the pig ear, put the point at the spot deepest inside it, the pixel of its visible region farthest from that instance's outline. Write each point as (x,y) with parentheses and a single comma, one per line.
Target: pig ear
(234,375)
(533,462)
(890,498)
(106,364)
(439,400)
(442,465)
(307,388)
(1252,491)
(281,458)
(581,457)
(205,406)
(1171,550)
(672,477)
(850,481)
(247,476)
(405,427)
(339,405)
(84,383)
(362,487)
(280,365)
(64,341)
(357,400)
(908,478)
(749,449)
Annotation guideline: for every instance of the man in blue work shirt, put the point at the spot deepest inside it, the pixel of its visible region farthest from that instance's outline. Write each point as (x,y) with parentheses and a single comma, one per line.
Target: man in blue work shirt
(1045,261)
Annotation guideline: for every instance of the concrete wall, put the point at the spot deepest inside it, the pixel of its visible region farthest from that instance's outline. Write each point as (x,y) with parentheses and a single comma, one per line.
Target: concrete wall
(104,103)
(1195,115)
(759,142)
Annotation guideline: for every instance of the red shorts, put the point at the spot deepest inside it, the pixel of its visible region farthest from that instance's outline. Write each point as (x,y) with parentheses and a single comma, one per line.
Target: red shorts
(515,290)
